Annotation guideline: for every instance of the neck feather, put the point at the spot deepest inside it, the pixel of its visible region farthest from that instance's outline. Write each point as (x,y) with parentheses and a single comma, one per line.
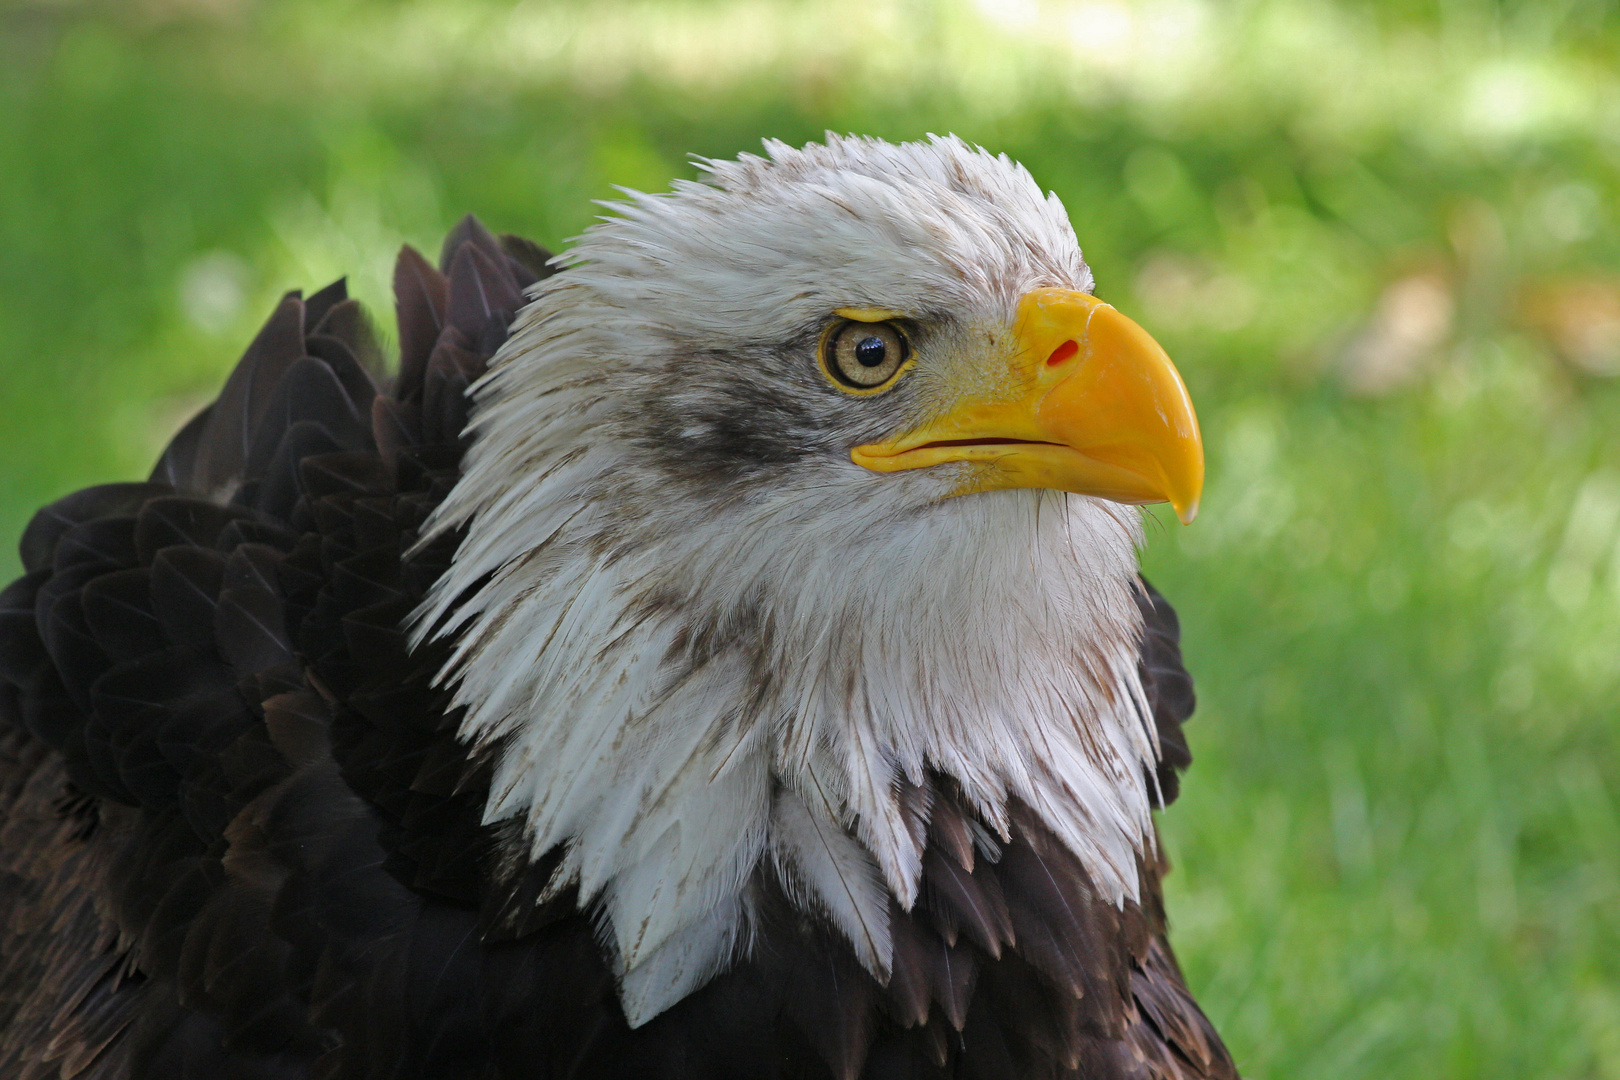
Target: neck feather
(681,695)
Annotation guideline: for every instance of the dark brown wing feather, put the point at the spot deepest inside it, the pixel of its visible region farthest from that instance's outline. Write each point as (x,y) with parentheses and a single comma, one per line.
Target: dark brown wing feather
(242,841)
(1169,688)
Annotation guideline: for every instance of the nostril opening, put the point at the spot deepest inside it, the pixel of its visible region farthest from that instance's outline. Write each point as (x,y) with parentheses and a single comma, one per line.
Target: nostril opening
(1062,353)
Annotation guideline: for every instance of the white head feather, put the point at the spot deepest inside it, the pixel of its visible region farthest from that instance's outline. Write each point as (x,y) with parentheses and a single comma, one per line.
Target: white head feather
(708,644)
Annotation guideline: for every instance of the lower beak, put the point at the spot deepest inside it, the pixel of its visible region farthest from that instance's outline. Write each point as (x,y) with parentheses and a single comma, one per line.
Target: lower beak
(1090,404)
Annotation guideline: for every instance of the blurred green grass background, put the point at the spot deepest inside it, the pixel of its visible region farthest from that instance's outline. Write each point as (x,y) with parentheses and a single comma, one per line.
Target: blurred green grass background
(1380,239)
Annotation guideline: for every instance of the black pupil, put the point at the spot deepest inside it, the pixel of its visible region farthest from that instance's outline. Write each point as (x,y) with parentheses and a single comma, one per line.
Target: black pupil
(870,351)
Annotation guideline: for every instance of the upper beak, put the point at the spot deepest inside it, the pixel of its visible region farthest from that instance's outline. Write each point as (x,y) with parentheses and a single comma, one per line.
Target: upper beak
(1090,404)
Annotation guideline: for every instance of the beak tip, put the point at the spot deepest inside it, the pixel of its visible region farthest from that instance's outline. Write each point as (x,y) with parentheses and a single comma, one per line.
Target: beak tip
(1186,512)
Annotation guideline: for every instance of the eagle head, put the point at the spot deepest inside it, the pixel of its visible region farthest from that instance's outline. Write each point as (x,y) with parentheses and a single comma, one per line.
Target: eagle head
(801,491)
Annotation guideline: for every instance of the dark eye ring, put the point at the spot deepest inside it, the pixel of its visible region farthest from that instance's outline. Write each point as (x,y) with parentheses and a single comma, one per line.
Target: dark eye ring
(864,357)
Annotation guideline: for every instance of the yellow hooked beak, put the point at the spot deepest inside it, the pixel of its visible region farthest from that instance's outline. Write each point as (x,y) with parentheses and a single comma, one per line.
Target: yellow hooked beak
(1090,404)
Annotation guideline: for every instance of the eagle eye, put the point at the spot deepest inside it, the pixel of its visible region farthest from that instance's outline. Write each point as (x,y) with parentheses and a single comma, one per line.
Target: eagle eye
(864,357)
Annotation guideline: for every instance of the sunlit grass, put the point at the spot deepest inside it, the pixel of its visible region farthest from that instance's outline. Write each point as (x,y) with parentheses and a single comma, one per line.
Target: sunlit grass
(1379,239)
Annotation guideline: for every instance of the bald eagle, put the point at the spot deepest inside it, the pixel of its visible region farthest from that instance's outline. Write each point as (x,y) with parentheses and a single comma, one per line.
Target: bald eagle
(718,652)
